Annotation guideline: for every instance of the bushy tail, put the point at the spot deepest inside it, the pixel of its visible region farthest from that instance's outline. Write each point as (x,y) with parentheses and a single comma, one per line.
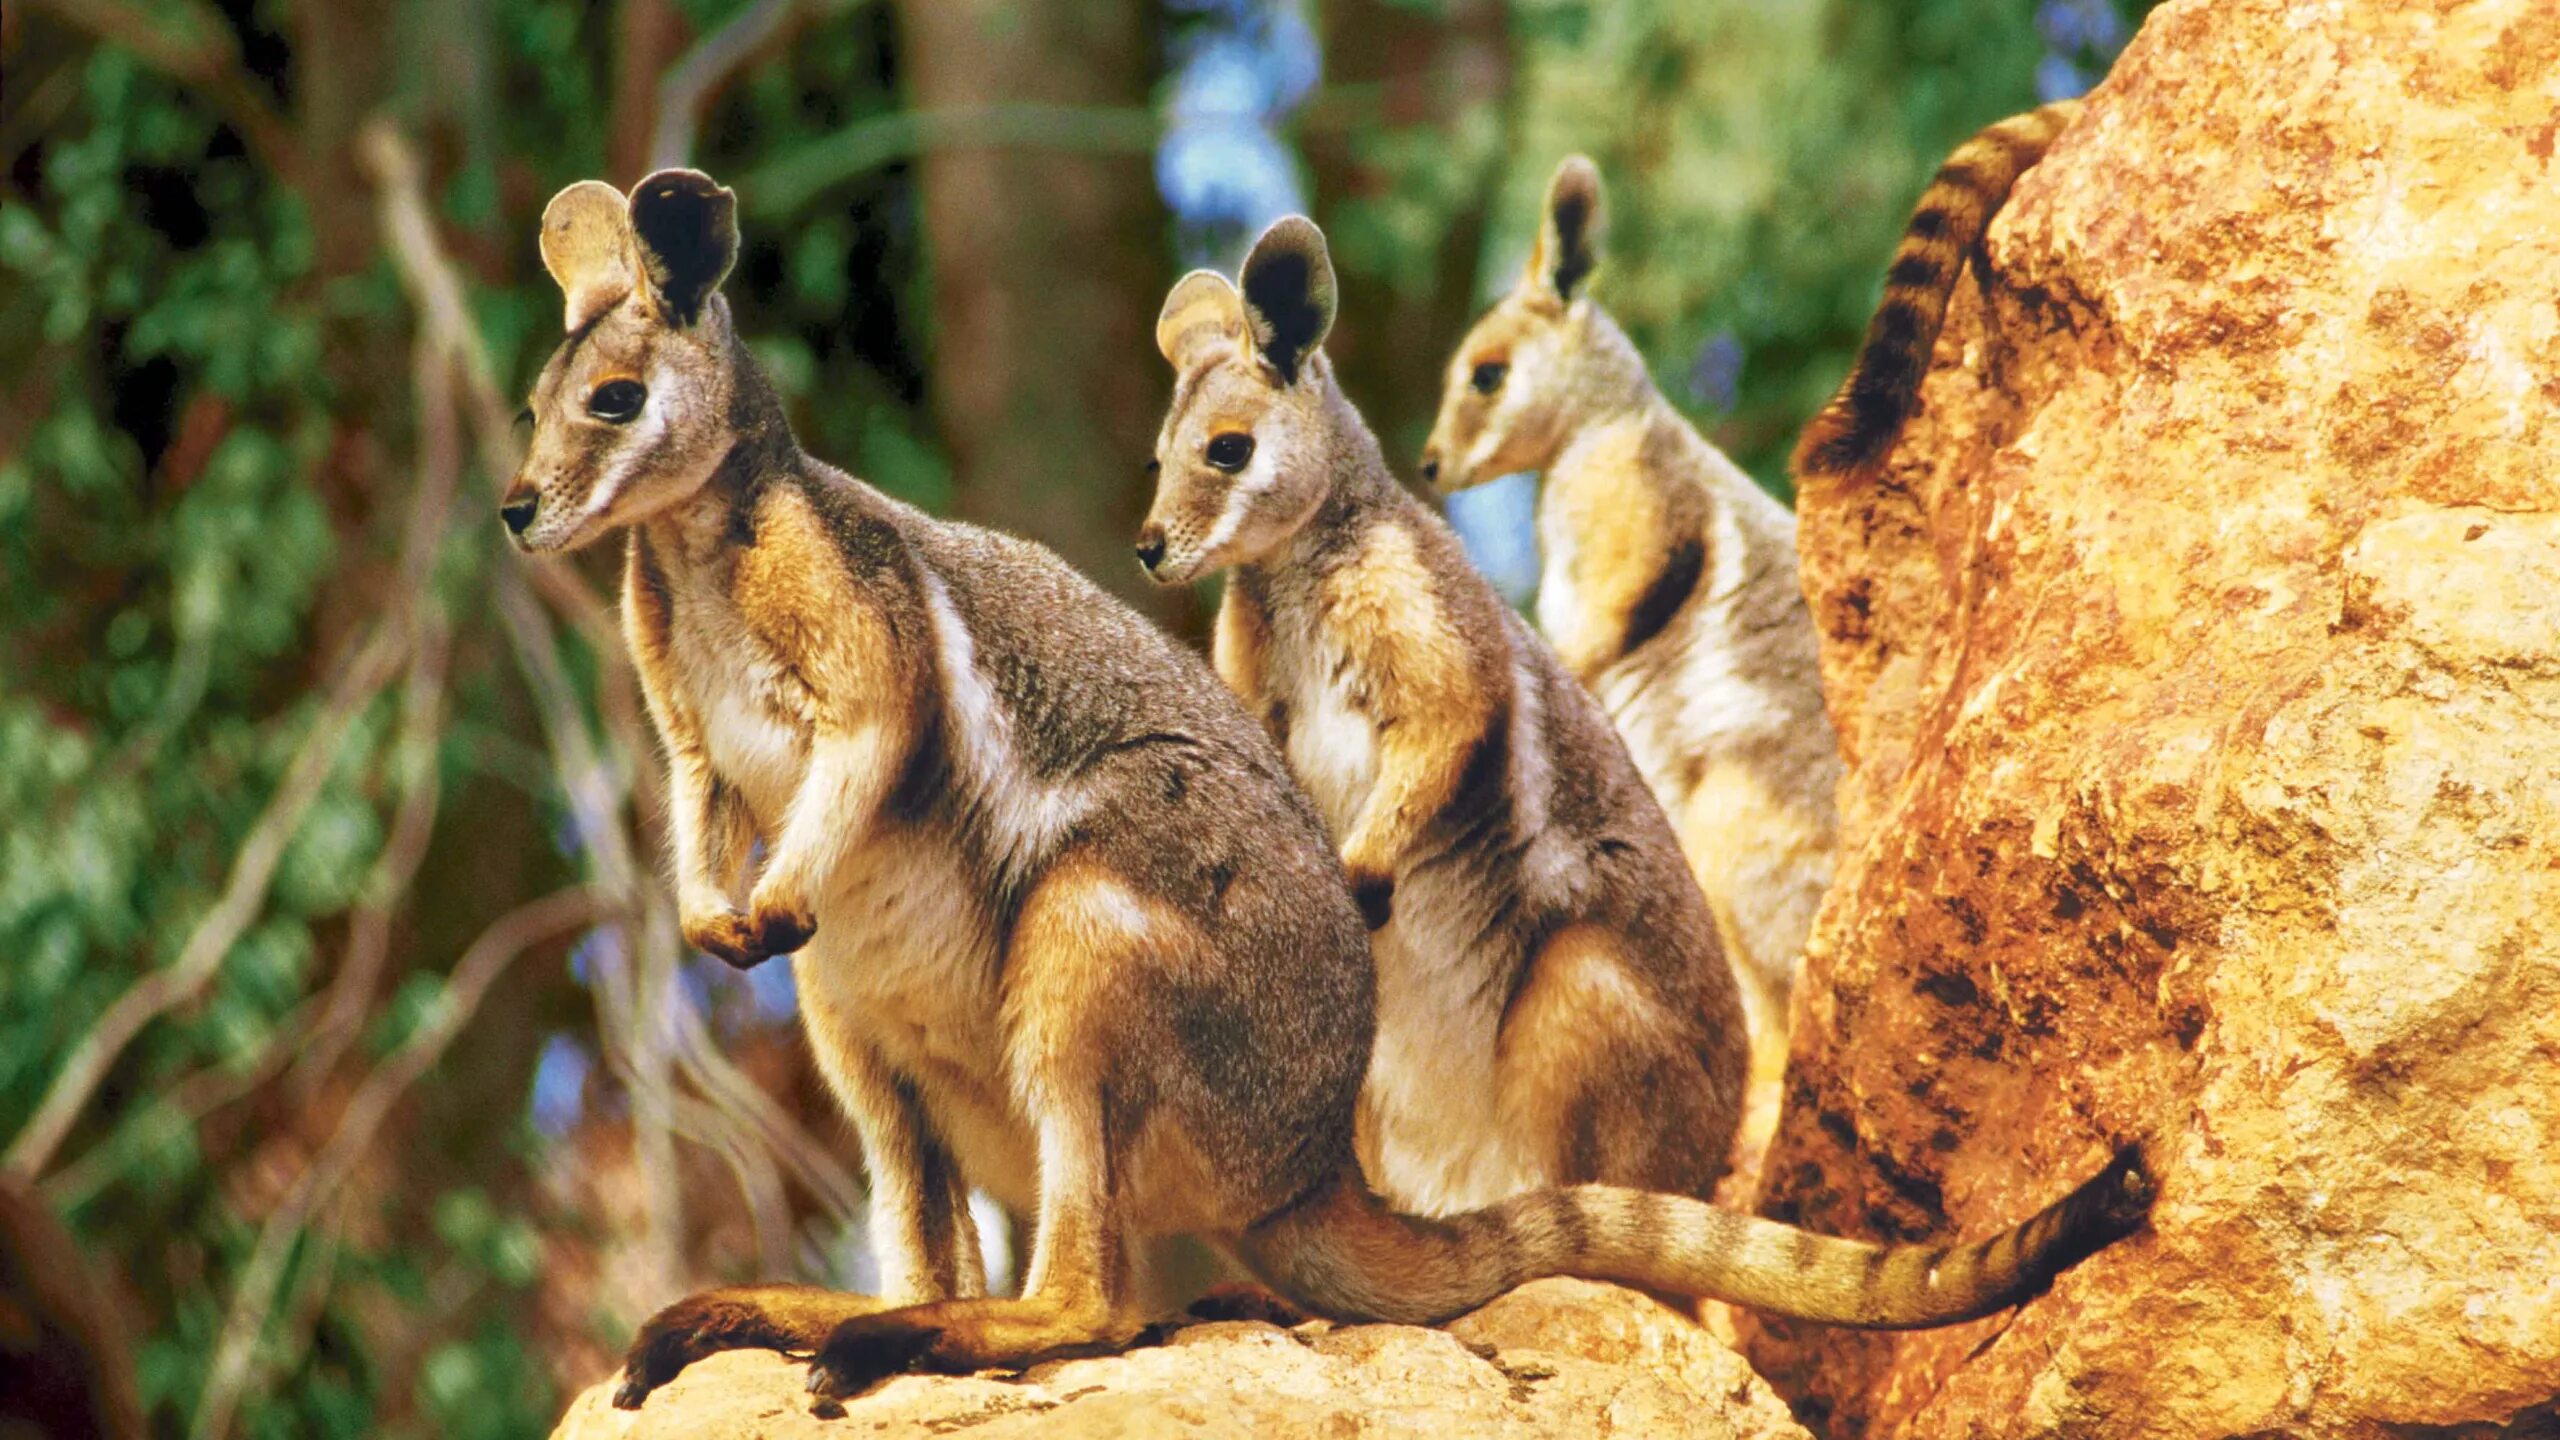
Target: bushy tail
(1342,1252)
(1855,431)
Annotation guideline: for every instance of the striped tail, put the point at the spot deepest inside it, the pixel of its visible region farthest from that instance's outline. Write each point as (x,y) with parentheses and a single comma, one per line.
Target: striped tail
(1855,431)
(1342,1252)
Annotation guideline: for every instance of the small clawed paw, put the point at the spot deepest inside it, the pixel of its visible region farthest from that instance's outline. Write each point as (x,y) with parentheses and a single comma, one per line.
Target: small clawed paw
(867,1350)
(1375,894)
(748,940)
(782,931)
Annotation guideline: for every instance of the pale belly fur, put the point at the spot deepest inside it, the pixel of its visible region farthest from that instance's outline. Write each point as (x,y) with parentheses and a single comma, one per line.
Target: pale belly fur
(1432,1138)
(904,960)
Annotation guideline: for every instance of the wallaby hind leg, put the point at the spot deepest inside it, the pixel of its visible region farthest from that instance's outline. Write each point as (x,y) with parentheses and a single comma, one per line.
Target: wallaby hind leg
(920,1233)
(1081,933)
(1615,1083)
(920,1227)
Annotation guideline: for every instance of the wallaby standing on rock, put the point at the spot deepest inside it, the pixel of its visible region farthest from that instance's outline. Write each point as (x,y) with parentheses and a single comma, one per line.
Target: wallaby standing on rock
(1668,587)
(1063,928)
(1552,1005)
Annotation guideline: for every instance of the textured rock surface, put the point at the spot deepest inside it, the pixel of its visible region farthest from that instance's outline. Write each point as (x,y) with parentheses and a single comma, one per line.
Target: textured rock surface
(1559,1358)
(2198,664)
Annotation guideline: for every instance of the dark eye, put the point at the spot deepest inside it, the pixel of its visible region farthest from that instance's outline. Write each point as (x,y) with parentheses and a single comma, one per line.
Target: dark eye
(618,402)
(1229,452)
(1488,376)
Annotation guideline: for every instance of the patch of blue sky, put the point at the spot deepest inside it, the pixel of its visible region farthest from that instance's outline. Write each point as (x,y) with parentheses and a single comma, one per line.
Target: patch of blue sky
(1497,522)
(1222,165)
(560,1085)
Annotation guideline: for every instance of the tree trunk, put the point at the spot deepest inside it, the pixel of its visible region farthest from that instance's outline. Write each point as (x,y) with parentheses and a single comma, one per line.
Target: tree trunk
(1048,266)
(1398,67)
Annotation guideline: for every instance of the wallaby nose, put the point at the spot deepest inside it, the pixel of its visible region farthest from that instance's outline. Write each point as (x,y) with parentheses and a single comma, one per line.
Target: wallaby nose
(1151,545)
(518,511)
(1431,466)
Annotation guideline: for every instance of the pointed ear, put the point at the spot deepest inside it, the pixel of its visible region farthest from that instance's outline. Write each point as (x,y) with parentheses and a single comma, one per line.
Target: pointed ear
(1569,230)
(686,226)
(586,245)
(1288,293)
(1202,311)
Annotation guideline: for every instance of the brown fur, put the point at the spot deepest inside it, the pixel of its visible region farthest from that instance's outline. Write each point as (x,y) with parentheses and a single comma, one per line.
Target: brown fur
(1060,925)
(1669,590)
(1553,1007)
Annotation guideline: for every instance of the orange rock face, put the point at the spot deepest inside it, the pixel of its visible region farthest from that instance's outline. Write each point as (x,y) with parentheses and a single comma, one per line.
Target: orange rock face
(2197,663)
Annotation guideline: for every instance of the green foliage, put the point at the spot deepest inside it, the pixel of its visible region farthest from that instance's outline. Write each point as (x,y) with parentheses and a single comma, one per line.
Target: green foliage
(207,454)
(1760,158)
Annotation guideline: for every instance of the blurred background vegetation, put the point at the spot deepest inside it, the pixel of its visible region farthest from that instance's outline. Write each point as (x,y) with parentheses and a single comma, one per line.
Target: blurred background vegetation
(342,1015)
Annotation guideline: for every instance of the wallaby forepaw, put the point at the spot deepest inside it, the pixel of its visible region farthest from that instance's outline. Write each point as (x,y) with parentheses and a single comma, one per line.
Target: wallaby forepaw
(748,940)
(867,1350)
(1376,897)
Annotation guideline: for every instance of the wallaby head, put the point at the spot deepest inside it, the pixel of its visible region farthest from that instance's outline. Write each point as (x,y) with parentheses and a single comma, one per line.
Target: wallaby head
(1244,456)
(634,410)
(1508,401)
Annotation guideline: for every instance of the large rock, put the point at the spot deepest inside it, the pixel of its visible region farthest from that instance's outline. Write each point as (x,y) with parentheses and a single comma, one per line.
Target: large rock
(1558,1358)
(2198,667)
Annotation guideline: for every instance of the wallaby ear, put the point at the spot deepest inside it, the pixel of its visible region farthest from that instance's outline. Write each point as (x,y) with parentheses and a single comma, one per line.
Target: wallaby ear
(1203,310)
(686,224)
(1568,230)
(1288,293)
(586,245)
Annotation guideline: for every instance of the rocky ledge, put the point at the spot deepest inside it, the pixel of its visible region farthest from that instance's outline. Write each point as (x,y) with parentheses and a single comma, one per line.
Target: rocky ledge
(1557,1358)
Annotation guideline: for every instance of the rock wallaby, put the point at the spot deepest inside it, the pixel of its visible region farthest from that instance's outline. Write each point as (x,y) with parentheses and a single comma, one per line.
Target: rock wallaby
(1061,925)
(1669,589)
(1552,1008)
(1857,429)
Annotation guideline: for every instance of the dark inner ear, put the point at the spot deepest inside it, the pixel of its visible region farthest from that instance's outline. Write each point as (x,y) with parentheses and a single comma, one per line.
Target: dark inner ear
(1288,287)
(687,226)
(1574,257)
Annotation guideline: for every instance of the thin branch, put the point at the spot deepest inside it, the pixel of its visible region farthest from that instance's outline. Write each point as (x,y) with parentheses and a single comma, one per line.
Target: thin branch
(686,91)
(243,896)
(191,43)
(413,753)
(783,186)
(479,969)
(180,1108)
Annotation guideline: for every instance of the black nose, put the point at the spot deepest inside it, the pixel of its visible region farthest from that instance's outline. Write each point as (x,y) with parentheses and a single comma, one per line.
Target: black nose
(1151,546)
(1431,466)
(519,513)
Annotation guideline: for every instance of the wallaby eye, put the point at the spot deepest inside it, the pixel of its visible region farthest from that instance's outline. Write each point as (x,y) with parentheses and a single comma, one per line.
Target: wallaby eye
(618,402)
(1230,451)
(1488,376)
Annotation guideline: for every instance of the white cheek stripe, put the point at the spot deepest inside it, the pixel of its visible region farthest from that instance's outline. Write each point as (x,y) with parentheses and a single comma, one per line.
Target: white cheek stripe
(639,440)
(1257,479)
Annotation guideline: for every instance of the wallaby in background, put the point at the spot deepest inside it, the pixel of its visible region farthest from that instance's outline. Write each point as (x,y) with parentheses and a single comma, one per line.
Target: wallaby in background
(1552,1006)
(1668,585)
(1063,928)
